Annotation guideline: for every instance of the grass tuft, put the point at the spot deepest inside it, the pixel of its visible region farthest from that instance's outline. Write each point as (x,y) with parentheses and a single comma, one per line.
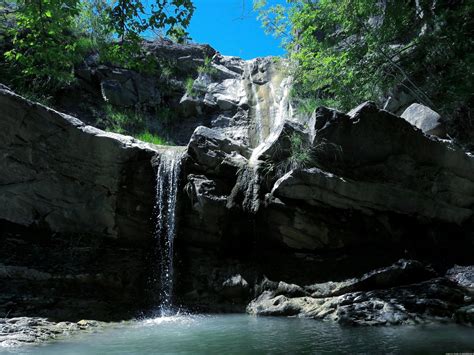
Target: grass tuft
(152,138)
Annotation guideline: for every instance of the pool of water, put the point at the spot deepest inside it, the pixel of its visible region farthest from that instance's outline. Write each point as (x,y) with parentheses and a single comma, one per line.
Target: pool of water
(243,334)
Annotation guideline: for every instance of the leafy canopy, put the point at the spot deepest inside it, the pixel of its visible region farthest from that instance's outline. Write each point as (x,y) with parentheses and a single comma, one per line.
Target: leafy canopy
(348,51)
(49,36)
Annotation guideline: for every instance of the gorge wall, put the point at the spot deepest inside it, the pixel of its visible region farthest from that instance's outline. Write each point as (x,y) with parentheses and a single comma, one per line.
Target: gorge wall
(77,202)
(75,216)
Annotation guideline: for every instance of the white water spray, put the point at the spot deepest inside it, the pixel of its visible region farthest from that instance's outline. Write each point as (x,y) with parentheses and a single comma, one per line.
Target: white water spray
(166,196)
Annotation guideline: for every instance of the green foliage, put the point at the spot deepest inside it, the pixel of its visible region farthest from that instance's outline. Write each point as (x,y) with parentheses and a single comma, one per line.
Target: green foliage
(42,97)
(168,68)
(129,54)
(43,49)
(300,156)
(134,123)
(207,67)
(92,22)
(355,50)
(189,85)
(124,121)
(152,138)
(300,152)
(51,36)
(180,35)
(306,106)
(126,19)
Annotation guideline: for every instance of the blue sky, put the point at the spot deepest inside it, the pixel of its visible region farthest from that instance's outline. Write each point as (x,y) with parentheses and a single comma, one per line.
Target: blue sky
(231,27)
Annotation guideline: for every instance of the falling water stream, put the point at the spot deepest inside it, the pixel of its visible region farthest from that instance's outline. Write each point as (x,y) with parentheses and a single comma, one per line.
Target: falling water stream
(268,122)
(166,197)
(257,112)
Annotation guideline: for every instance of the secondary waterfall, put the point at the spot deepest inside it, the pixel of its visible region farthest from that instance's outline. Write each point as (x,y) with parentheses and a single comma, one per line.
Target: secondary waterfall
(269,97)
(165,230)
(269,119)
(257,112)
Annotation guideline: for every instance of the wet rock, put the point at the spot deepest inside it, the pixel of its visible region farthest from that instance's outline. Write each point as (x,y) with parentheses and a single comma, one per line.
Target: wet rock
(465,315)
(81,199)
(403,272)
(227,95)
(462,275)
(280,148)
(404,293)
(15,332)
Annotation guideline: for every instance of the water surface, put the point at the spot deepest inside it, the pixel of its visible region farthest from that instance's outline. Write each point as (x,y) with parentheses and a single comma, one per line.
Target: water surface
(243,334)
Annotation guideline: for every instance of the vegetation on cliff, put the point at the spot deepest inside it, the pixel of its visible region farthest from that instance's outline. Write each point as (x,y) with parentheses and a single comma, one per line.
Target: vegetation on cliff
(350,51)
(344,52)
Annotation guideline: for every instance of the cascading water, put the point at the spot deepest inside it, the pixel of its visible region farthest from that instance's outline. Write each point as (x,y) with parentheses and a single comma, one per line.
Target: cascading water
(271,107)
(166,196)
(257,113)
(280,109)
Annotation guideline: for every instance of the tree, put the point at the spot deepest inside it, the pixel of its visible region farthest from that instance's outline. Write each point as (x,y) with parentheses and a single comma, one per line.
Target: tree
(48,34)
(128,19)
(43,45)
(348,51)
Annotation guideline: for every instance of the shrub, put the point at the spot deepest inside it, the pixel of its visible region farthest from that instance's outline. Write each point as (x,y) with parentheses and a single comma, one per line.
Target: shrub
(189,85)
(300,154)
(306,106)
(124,121)
(207,67)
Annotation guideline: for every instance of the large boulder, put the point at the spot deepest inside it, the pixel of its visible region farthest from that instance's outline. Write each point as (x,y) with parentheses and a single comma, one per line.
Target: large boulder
(69,177)
(315,186)
(462,275)
(382,164)
(424,118)
(214,153)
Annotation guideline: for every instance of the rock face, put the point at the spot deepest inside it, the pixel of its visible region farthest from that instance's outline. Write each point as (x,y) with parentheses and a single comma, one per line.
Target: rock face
(262,196)
(372,189)
(241,99)
(71,177)
(75,208)
(407,174)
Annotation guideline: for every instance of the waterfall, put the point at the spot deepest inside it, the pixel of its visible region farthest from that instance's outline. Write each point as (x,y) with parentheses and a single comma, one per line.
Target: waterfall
(165,230)
(280,110)
(274,93)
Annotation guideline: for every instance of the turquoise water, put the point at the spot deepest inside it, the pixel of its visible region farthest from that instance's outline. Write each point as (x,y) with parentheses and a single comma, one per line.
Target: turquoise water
(243,334)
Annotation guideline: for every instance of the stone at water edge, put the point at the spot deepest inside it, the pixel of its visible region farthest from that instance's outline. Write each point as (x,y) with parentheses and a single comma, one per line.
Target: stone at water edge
(19,331)
(403,293)
(235,287)
(462,275)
